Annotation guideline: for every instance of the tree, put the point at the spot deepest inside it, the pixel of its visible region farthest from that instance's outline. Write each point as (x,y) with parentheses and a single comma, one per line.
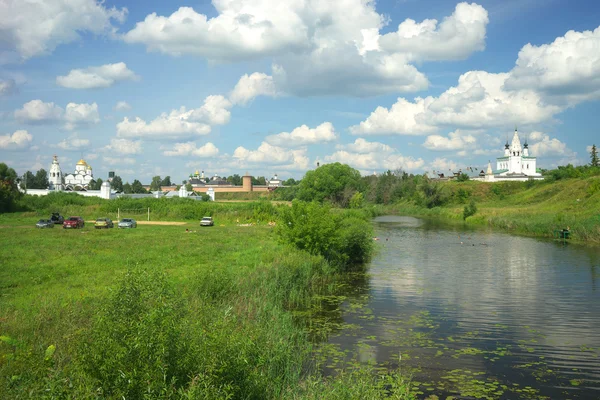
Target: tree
(9,190)
(235,180)
(155,184)
(117,184)
(334,182)
(594,162)
(189,187)
(41,179)
(290,182)
(28,180)
(136,187)
(259,180)
(166,181)
(127,188)
(96,184)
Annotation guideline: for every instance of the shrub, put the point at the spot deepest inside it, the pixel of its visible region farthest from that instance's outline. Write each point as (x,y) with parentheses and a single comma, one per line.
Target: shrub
(469,210)
(343,240)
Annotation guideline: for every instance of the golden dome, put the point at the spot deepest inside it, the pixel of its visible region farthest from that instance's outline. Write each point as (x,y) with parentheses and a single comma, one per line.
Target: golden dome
(81,162)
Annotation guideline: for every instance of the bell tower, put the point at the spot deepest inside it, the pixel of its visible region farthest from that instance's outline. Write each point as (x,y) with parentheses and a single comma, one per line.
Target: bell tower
(55,176)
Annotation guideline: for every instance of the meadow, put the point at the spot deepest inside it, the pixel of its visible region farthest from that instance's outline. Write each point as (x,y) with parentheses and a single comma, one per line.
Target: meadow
(156,312)
(528,208)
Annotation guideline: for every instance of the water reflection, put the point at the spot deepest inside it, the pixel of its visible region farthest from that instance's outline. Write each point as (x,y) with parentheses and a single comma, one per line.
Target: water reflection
(519,315)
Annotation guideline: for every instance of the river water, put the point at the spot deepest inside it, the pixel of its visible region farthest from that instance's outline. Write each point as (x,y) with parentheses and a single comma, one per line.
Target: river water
(473,313)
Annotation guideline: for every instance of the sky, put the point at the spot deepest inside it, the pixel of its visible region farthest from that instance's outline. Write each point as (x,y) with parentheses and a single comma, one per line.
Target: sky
(266,87)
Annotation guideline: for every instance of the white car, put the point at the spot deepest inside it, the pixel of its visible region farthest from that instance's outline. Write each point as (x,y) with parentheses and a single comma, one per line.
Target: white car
(207,221)
(127,223)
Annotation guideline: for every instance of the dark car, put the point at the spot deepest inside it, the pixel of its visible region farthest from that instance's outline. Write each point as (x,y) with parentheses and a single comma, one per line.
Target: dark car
(56,218)
(73,223)
(44,223)
(104,223)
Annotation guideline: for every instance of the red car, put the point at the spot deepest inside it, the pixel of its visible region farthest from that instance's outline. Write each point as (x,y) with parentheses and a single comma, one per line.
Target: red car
(73,223)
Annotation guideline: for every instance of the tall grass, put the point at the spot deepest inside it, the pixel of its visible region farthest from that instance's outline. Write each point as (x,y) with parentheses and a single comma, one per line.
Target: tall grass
(155,312)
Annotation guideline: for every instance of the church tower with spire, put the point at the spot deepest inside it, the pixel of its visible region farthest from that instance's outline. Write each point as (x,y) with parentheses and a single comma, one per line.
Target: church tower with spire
(516,164)
(55,176)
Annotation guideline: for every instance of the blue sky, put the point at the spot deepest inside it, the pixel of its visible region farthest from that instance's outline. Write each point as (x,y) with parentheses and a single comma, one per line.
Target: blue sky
(148,88)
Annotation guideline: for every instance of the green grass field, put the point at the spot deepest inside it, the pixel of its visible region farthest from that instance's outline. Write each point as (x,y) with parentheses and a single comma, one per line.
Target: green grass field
(535,209)
(156,312)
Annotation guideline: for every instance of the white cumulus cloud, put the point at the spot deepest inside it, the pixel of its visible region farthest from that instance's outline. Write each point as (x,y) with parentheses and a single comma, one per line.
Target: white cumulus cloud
(19,140)
(7,87)
(362,146)
(318,47)
(303,135)
(251,86)
(190,149)
(73,143)
(74,115)
(456,140)
(32,28)
(179,123)
(272,155)
(96,77)
(123,146)
(122,106)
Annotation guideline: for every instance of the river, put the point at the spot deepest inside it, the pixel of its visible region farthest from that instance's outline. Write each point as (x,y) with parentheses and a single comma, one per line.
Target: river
(472,313)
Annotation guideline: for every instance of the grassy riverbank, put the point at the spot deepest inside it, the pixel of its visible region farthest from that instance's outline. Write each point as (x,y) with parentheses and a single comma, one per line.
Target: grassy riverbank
(156,312)
(529,208)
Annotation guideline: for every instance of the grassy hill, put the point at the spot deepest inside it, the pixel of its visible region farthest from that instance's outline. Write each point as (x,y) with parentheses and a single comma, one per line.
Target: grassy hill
(531,208)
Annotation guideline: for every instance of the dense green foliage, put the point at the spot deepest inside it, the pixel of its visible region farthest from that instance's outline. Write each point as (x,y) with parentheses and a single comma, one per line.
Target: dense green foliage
(334,182)
(594,161)
(343,239)
(37,181)
(469,210)
(117,183)
(9,191)
(569,172)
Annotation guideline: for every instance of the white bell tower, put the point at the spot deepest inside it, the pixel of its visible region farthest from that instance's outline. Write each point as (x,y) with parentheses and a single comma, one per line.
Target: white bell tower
(55,176)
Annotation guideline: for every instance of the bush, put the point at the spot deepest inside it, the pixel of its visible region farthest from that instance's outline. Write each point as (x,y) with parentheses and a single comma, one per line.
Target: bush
(469,210)
(343,240)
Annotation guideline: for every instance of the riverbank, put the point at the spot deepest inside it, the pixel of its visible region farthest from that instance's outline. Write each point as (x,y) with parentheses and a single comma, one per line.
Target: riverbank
(525,208)
(159,312)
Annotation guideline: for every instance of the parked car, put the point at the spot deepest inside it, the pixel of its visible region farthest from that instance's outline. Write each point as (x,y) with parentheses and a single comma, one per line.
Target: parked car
(44,223)
(127,223)
(73,223)
(104,223)
(56,218)
(207,221)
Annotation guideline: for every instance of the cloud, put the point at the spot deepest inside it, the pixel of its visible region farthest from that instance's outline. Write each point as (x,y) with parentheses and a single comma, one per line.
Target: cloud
(566,70)
(118,160)
(123,146)
(272,155)
(303,135)
(544,145)
(190,149)
(455,38)
(180,123)
(443,166)
(374,156)
(73,143)
(318,48)
(31,29)
(37,112)
(7,87)
(363,146)
(251,86)
(456,140)
(19,140)
(400,119)
(96,77)
(122,106)
(81,115)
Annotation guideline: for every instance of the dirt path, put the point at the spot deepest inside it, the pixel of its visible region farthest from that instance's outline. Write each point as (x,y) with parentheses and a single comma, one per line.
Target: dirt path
(160,223)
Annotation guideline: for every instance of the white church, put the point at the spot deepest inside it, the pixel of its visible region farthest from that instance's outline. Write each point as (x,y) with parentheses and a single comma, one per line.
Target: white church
(515,165)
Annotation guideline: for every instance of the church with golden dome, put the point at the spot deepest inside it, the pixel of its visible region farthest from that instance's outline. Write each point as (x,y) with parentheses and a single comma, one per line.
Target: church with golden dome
(82,176)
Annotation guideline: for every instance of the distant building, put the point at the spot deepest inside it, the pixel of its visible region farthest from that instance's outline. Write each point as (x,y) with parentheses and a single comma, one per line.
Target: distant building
(274,182)
(197,179)
(55,178)
(81,178)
